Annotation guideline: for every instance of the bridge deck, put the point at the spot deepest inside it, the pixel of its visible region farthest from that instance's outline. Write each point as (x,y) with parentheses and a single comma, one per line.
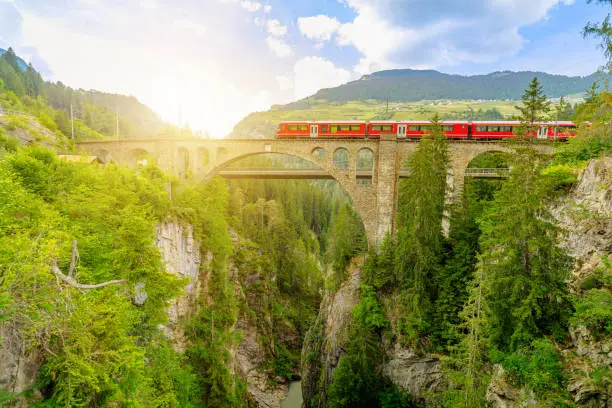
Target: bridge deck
(319,174)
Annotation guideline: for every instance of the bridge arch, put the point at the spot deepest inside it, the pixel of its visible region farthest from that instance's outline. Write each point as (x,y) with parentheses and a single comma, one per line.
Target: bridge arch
(351,189)
(138,156)
(342,158)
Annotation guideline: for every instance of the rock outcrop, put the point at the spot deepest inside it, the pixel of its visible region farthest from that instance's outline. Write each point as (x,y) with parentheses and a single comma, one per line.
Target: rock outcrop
(327,339)
(18,364)
(420,375)
(586,216)
(500,394)
(180,252)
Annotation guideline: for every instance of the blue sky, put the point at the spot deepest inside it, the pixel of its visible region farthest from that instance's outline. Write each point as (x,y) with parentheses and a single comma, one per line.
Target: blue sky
(217,60)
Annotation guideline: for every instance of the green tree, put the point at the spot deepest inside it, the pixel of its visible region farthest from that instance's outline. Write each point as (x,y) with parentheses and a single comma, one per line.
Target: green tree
(522,270)
(420,242)
(603,31)
(535,105)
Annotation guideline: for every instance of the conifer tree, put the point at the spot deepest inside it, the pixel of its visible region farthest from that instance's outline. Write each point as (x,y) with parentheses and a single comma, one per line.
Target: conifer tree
(535,104)
(420,240)
(522,270)
(603,31)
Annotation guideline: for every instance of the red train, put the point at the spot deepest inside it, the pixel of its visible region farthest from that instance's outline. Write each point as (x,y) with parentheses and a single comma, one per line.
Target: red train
(411,129)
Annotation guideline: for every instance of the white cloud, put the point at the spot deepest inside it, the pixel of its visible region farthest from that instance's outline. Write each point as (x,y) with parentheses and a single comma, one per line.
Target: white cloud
(267,8)
(284,83)
(279,47)
(425,34)
(314,73)
(148,4)
(191,26)
(275,28)
(319,27)
(251,6)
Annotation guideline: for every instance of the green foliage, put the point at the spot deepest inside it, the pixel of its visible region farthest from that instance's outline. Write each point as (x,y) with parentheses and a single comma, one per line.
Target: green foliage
(394,397)
(357,382)
(347,239)
(523,269)
(535,104)
(420,242)
(539,366)
(594,310)
(379,268)
(560,177)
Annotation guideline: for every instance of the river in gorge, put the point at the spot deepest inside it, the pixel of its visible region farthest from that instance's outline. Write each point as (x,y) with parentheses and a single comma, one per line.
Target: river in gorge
(294,396)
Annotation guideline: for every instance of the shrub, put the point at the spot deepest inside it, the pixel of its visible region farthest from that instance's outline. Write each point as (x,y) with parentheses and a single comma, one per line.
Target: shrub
(594,310)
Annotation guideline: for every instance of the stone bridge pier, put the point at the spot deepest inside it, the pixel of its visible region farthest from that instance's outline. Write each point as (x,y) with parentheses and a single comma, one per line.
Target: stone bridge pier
(374,198)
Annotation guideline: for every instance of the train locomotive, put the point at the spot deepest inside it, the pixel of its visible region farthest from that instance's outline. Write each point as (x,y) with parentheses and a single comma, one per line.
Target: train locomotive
(460,130)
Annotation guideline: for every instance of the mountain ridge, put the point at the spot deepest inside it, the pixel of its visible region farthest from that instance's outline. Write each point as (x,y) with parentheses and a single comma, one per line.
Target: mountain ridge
(409,85)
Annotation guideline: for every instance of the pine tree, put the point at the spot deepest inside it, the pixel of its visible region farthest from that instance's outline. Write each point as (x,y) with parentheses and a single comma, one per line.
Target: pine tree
(10,57)
(523,270)
(535,104)
(420,240)
(603,31)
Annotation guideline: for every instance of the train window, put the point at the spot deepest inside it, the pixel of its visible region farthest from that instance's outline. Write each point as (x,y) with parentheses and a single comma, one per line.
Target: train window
(292,127)
(493,129)
(507,129)
(345,128)
(448,128)
(414,127)
(481,128)
(334,128)
(303,127)
(387,128)
(355,127)
(323,128)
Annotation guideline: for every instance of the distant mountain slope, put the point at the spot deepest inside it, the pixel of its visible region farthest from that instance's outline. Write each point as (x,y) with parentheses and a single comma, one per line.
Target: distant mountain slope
(22,64)
(415,85)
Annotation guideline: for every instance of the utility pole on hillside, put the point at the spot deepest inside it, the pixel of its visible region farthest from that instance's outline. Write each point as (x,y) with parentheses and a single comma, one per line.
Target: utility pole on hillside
(117,121)
(72,121)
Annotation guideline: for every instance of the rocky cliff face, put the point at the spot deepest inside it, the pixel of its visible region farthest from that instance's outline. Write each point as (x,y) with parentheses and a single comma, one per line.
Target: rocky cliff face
(585,215)
(326,341)
(180,252)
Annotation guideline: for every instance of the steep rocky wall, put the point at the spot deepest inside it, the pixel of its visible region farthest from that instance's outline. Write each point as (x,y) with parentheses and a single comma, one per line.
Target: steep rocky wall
(180,251)
(326,341)
(18,364)
(586,215)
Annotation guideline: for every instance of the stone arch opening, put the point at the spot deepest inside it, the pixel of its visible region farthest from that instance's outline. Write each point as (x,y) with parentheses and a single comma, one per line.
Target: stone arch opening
(484,175)
(221,154)
(319,154)
(365,166)
(183,164)
(138,157)
(104,156)
(203,157)
(341,158)
(307,163)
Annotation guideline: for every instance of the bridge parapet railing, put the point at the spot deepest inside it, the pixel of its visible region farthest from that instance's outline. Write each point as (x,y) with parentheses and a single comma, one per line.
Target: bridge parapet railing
(494,172)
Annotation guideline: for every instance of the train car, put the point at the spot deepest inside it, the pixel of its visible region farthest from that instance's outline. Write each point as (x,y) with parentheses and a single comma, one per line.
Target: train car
(456,129)
(491,130)
(476,130)
(376,128)
(340,129)
(560,130)
(294,129)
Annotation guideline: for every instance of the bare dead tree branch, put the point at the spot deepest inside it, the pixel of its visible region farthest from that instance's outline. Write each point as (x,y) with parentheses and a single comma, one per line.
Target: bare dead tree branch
(71,281)
(73,259)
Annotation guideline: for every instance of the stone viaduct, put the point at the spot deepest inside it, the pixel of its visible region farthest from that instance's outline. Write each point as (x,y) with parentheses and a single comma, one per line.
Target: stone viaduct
(375,202)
